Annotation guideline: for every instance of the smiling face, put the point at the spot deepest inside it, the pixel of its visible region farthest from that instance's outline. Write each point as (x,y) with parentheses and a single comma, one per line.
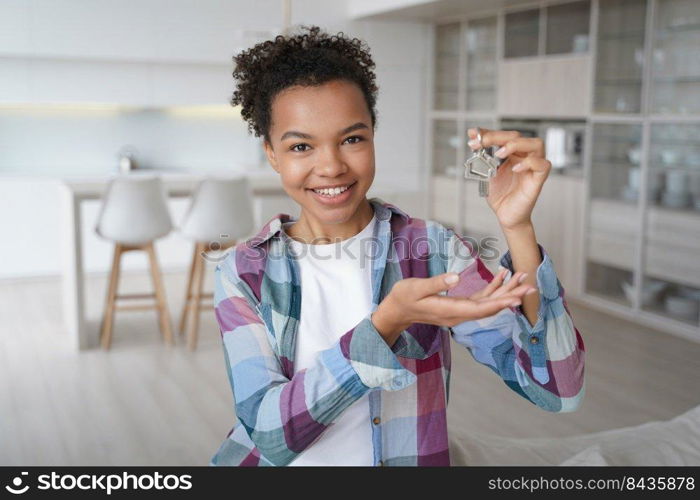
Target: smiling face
(322,136)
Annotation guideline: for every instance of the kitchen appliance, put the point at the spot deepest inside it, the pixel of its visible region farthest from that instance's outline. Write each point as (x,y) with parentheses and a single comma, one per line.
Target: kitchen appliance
(564,139)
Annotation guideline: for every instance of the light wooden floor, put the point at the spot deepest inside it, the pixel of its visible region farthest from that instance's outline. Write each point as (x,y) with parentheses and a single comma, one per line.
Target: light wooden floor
(144,404)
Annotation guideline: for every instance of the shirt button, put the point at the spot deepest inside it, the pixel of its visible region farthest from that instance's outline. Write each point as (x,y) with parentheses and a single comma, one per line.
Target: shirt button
(534,340)
(376,420)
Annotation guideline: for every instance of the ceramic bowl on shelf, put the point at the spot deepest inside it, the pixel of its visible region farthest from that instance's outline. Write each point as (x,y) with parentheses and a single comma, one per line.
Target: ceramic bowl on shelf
(650,291)
(682,307)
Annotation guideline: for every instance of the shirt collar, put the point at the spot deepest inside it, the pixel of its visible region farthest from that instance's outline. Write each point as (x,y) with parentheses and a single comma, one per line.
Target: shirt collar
(382,210)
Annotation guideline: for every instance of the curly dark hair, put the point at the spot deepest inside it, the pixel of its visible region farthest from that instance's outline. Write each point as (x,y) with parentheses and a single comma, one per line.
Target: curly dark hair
(307,59)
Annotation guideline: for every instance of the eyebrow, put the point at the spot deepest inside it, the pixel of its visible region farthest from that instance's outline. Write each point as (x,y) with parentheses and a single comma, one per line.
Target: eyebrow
(302,135)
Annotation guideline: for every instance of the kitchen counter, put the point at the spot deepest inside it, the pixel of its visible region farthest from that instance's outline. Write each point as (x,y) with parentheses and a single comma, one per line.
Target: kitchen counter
(176,183)
(75,191)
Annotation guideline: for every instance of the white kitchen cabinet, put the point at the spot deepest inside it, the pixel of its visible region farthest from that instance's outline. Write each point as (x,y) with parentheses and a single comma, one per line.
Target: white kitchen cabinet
(56,81)
(60,81)
(190,84)
(620,56)
(522,33)
(131,53)
(616,233)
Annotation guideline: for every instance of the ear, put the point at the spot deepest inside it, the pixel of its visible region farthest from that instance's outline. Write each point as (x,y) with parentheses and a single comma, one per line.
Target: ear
(270,153)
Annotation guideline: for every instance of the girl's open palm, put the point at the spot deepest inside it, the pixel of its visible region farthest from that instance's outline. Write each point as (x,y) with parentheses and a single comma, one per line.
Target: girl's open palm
(418,300)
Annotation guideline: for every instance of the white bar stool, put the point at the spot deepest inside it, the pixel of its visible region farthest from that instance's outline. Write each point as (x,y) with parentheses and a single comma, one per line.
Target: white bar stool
(220,214)
(133,215)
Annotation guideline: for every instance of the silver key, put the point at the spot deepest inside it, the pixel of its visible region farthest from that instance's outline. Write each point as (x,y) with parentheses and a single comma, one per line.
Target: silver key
(482,166)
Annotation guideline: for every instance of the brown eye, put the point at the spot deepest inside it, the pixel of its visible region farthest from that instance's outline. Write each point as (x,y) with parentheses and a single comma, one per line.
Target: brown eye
(296,145)
(355,137)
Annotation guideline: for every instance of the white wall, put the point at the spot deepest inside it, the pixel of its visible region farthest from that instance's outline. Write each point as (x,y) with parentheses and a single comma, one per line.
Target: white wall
(163,53)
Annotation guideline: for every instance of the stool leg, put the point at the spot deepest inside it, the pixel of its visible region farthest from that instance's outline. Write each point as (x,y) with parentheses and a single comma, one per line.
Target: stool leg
(195,302)
(188,293)
(163,314)
(108,315)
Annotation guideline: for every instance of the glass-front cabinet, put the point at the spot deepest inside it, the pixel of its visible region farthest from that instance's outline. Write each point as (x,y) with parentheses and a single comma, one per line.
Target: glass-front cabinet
(667,171)
(620,56)
(614,209)
(522,33)
(643,230)
(446,85)
(671,284)
(675,58)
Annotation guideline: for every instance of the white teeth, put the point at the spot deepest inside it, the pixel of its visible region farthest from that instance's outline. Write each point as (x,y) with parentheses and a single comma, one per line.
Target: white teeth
(331,192)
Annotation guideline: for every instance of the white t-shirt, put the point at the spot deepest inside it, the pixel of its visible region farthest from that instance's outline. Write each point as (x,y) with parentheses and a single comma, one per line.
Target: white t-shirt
(336,292)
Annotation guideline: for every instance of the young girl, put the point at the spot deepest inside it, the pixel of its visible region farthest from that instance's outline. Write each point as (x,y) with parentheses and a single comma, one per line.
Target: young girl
(336,326)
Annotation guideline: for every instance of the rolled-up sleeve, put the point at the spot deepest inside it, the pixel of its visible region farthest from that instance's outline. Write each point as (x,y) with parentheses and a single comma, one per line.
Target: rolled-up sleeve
(543,362)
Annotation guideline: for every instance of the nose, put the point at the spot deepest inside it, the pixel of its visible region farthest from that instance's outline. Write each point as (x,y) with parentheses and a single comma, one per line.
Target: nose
(330,163)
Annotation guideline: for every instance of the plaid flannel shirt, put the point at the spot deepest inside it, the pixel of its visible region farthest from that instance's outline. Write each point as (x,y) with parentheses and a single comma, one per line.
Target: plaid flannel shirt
(280,413)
